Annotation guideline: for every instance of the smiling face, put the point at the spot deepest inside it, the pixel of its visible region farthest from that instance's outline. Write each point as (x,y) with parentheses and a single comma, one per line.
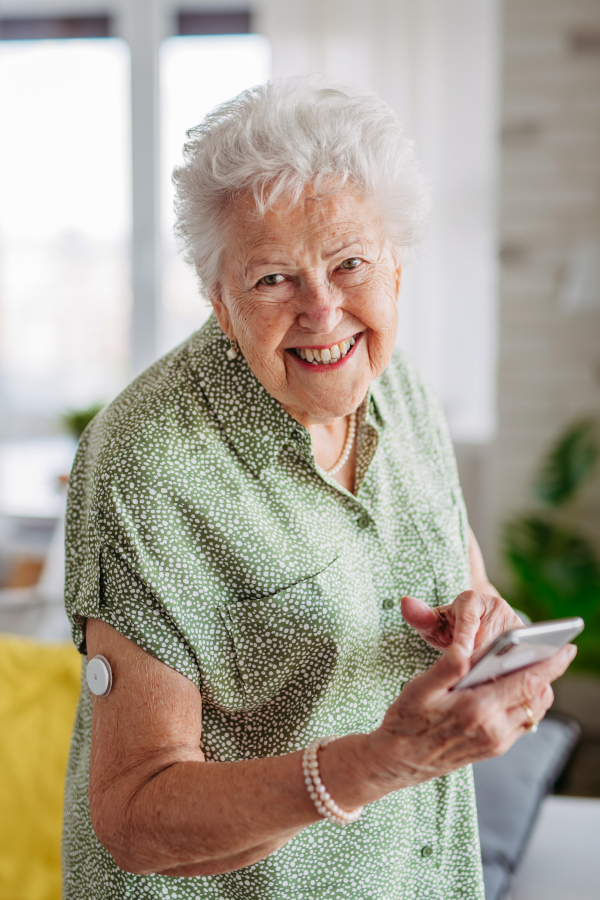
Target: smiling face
(318,280)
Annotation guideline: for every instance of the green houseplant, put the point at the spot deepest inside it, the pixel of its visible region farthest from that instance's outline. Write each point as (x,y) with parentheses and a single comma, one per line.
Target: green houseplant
(77,420)
(553,562)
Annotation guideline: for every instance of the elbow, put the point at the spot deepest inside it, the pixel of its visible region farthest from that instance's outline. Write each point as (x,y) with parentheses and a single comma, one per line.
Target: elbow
(127,861)
(124,852)
(112,828)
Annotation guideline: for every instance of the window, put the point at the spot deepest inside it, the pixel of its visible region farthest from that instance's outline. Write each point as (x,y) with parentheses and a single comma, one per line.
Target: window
(64,227)
(196,74)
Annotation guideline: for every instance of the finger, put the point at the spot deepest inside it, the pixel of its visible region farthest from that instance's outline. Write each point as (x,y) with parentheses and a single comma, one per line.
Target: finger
(539,706)
(521,686)
(469,609)
(418,615)
(497,618)
(445,673)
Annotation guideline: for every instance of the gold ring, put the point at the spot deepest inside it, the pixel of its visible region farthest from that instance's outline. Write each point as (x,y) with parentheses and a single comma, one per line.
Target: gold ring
(531,724)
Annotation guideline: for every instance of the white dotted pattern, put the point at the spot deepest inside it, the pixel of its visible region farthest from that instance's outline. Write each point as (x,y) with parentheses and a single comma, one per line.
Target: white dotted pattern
(200,527)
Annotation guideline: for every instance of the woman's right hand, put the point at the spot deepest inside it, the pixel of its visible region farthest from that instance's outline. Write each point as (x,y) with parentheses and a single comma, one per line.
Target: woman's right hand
(431,730)
(218,817)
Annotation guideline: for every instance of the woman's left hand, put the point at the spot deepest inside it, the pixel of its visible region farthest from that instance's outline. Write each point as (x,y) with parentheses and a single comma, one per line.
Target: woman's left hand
(472,621)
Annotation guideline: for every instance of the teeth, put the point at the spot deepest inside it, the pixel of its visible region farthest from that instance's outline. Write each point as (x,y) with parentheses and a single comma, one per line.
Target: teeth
(327,356)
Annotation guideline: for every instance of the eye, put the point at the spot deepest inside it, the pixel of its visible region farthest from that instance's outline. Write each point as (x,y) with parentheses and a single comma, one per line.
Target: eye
(352,263)
(271,280)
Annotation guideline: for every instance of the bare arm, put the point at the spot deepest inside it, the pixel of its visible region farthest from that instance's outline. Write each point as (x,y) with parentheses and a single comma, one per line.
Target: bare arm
(479,579)
(157,806)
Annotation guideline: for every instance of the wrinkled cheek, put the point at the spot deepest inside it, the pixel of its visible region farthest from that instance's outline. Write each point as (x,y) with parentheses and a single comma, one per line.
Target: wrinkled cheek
(261,328)
(381,347)
(269,330)
(380,314)
(243,322)
(268,366)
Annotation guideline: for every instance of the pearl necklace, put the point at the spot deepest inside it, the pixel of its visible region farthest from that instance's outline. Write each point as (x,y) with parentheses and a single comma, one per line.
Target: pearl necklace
(347,446)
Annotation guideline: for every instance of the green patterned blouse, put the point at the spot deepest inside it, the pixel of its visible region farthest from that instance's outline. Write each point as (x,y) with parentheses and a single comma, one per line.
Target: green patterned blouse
(200,527)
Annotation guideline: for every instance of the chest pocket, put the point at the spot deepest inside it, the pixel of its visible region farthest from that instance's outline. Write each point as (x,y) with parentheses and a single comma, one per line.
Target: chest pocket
(295,641)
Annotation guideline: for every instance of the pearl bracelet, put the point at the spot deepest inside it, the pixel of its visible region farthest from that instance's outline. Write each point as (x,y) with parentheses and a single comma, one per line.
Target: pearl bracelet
(325,804)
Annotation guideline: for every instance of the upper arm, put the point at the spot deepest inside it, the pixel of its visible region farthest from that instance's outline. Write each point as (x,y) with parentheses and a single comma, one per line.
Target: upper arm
(151,719)
(479,578)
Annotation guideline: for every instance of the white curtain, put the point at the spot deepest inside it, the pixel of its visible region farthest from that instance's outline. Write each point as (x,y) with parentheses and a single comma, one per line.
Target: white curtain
(435,63)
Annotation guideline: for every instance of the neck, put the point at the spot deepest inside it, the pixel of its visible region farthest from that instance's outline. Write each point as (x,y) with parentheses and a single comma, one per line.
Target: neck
(329,436)
(328,441)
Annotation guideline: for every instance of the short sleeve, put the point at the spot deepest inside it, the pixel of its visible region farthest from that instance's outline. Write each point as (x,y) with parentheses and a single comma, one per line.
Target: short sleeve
(143,552)
(433,444)
(128,604)
(439,426)
(113,558)
(447,460)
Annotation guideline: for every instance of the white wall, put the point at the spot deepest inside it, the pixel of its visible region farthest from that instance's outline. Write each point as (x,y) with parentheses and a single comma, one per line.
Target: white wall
(549,362)
(435,62)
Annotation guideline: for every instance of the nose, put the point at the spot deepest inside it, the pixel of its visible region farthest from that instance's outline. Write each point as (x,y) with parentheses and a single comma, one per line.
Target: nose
(320,307)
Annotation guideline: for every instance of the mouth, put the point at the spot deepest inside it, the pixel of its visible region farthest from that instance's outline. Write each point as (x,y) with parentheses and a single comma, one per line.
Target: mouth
(327,356)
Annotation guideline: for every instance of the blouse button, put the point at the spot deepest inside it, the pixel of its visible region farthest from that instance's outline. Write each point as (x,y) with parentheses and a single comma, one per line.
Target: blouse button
(387,603)
(426,851)
(363,522)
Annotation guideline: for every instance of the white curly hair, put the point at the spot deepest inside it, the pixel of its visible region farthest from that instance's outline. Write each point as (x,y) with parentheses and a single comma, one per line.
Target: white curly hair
(275,139)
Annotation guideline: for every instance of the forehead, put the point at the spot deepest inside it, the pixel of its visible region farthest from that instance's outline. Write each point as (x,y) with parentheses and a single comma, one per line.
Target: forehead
(316,218)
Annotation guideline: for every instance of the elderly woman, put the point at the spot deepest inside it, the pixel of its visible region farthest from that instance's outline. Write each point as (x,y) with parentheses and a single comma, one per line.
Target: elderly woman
(267,542)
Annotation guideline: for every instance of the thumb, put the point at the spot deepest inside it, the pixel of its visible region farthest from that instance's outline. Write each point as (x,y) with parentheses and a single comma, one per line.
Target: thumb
(420,616)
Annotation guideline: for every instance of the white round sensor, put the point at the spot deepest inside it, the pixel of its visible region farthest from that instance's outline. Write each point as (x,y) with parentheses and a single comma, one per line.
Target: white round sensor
(99,676)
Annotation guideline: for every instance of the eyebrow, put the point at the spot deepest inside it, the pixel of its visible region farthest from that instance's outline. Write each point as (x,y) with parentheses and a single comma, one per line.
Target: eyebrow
(356,239)
(257,263)
(273,263)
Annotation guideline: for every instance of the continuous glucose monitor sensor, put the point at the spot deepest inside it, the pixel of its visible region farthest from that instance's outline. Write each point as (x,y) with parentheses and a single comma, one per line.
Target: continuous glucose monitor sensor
(99,676)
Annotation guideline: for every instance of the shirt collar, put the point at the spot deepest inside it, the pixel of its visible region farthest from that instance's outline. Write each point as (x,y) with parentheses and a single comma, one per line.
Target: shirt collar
(254,422)
(374,408)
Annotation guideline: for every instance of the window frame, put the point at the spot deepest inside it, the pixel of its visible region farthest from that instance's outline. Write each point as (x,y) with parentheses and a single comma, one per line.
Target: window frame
(438,65)
(143,25)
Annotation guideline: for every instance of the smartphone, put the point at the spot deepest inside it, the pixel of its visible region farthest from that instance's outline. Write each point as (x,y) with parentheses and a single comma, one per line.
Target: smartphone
(519,648)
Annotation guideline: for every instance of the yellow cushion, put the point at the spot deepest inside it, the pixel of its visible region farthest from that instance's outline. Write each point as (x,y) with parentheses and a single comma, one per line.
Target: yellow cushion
(39,688)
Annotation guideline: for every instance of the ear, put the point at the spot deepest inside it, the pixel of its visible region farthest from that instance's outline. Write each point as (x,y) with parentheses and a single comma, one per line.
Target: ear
(398,279)
(221,312)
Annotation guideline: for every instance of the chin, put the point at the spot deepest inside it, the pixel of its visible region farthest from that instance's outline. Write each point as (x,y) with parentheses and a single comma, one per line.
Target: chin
(332,407)
(324,403)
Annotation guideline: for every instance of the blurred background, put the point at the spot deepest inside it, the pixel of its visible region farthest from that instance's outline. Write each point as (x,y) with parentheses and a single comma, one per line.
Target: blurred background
(500,306)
